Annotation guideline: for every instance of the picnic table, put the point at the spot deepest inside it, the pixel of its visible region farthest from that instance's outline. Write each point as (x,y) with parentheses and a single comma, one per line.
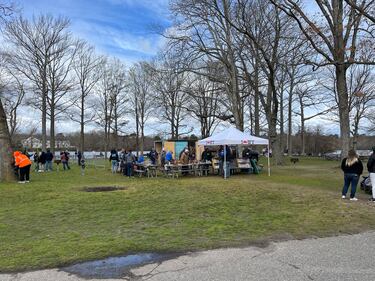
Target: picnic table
(196,169)
(142,169)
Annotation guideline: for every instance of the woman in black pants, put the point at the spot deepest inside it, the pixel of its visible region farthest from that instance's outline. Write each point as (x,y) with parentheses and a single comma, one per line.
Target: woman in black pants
(23,163)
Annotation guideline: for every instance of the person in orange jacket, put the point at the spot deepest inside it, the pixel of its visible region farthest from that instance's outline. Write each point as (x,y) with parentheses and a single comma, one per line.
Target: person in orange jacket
(23,163)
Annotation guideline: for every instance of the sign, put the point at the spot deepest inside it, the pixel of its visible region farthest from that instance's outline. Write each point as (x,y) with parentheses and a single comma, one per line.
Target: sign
(247,142)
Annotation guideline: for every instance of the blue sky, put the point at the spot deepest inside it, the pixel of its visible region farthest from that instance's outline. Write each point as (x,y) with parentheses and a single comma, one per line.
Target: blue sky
(121,28)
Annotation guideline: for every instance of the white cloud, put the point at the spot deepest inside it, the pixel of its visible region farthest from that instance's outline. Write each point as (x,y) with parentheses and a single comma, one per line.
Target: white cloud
(158,6)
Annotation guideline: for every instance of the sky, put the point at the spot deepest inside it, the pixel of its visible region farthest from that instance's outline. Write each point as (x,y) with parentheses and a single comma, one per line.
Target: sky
(126,29)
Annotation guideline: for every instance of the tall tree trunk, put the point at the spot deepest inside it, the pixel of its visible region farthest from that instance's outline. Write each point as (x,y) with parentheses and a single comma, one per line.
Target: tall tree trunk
(52,128)
(290,104)
(342,93)
(136,125)
(274,141)
(341,67)
(251,116)
(142,140)
(281,137)
(6,173)
(303,152)
(82,123)
(44,115)
(106,136)
(290,132)
(256,98)
(273,105)
(356,129)
(137,135)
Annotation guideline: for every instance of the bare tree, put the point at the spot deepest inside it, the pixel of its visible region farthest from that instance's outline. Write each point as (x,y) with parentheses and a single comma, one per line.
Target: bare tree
(12,92)
(85,66)
(5,141)
(361,97)
(309,97)
(364,8)
(141,99)
(60,80)
(203,101)
(337,40)
(168,79)
(111,106)
(205,33)
(32,44)
(263,28)
(299,76)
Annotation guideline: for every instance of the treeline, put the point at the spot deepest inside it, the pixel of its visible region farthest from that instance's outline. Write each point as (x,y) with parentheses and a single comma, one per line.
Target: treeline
(316,141)
(264,66)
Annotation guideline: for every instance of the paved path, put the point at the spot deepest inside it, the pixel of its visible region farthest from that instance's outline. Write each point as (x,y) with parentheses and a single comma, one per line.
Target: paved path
(336,258)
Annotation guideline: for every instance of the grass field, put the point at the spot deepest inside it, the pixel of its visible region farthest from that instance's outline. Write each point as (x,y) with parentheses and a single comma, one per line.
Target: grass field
(52,222)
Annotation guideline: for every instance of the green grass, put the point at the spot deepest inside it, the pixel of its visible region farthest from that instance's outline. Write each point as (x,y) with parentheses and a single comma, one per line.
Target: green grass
(51,222)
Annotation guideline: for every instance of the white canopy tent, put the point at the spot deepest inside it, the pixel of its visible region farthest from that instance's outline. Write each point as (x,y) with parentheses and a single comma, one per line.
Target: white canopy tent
(233,136)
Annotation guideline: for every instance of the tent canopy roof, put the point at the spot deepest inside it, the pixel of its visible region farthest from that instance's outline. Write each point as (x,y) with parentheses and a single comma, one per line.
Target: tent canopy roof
(232,136)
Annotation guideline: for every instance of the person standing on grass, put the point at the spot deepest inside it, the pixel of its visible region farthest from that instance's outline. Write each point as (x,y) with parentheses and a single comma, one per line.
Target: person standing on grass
(129,161)
(64,160)
(67,158)
(79,156)
(49,158)
(122,157)
(42,161)
(114,158)
(36,161)
(371,170)
(23,163)
(352,168)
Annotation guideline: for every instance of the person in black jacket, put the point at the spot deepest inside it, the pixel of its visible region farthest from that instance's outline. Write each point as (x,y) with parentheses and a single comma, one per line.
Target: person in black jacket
(49,158)
(352,168)
(206,155)
(42,161)
(371,170)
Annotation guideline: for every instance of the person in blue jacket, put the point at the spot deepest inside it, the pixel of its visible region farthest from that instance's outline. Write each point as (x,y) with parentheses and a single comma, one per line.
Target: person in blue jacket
(169,157)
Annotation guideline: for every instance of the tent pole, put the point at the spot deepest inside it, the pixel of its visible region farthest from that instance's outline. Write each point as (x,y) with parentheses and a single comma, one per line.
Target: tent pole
(268,160)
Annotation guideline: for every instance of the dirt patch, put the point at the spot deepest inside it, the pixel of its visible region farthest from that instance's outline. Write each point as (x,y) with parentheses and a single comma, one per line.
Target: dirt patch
(102,188)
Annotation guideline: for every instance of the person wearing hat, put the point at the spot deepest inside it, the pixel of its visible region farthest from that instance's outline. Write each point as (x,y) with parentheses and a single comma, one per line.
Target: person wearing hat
(371,170)
(23,163)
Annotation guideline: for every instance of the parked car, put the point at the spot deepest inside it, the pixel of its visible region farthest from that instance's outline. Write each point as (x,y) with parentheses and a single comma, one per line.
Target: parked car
(332,155)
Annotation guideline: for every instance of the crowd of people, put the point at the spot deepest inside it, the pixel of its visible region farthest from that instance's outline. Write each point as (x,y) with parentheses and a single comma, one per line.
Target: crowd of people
(43,162)
(125,161)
